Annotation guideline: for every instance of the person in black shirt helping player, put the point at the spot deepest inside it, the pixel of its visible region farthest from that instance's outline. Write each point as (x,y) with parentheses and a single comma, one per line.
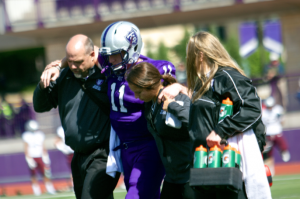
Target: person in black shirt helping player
(168,123)
(213,76)
(86,125)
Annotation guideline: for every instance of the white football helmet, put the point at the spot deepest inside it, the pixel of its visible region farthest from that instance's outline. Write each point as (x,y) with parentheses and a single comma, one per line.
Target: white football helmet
(121,36)
(270,102)
(31,125)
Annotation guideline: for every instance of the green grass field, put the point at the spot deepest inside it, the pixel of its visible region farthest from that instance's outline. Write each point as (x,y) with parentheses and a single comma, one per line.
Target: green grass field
(284,187)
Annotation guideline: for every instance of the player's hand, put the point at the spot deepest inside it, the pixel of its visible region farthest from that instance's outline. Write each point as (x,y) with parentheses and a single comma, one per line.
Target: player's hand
(166,103)
(214,139)
(170,91)
(48,75)
(52,64)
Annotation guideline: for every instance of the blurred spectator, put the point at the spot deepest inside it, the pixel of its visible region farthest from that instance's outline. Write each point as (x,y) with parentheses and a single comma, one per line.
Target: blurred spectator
(272,118)
(275,65)
(14,113)
(23,113)
(3,85)
(65,149)
(6,119)
(37,157)
(181,73)
(272,71)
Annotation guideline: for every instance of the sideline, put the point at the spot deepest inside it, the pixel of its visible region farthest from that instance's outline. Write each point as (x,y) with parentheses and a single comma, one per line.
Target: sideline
(286,178)
(48,196)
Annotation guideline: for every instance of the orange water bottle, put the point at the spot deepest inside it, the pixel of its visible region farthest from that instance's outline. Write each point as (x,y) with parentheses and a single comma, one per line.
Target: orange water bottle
(200,158)
(228,159)
(215,157)
(226,108)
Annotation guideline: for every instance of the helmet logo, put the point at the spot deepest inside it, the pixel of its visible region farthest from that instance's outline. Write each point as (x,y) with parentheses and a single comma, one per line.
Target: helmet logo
(131,37)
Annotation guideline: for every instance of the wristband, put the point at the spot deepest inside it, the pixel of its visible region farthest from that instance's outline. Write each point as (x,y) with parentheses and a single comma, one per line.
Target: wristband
(58,67)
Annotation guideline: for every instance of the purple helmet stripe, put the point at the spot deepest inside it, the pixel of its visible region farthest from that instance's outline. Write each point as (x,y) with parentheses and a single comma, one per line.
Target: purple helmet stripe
(103,39)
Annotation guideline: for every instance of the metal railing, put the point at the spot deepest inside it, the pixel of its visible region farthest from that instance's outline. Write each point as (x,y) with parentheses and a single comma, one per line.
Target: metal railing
(23,15)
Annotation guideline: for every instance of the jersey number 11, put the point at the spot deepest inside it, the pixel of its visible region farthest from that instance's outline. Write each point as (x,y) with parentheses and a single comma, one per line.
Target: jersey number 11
(121,95)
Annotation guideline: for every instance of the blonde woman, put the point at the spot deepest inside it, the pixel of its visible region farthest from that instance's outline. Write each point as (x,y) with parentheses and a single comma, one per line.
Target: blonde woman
(213,76)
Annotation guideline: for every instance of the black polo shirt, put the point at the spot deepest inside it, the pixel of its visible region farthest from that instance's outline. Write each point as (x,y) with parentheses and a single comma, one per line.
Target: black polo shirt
(86,125)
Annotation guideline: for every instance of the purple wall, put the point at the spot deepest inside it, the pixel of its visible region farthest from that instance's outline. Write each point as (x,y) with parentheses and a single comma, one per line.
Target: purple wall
(292,137)
(13,167)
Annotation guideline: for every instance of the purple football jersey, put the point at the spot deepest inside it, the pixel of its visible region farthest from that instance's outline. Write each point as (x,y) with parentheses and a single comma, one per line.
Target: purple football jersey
(127,112)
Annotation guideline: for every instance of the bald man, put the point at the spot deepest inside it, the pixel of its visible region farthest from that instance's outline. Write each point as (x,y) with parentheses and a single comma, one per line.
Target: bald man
(86,124)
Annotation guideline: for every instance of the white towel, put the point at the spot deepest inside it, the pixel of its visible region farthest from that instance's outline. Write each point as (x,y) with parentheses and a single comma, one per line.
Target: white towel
(114,162)
(252,166)
(173,121)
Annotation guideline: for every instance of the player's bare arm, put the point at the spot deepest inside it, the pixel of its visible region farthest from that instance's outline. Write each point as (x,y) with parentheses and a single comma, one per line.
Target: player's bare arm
(51,73)
(166,103)
(172,91)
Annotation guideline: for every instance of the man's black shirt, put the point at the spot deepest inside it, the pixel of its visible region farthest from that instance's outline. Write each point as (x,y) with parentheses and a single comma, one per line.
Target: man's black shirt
(85,124)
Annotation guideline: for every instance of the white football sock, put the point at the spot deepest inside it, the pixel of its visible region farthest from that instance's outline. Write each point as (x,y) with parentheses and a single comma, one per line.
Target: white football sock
(36,189)
(50,188)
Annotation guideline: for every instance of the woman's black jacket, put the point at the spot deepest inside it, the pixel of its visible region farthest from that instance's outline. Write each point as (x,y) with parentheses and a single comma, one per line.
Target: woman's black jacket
(204,112)
(174,145)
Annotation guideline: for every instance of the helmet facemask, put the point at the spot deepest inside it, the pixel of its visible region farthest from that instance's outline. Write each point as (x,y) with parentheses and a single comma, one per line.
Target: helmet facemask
(106,52)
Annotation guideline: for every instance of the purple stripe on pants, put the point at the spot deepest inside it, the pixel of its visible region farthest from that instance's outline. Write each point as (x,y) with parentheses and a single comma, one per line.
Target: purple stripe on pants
(143,170)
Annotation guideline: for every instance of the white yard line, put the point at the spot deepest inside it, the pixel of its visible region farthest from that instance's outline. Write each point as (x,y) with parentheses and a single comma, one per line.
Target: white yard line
(59,195)
(283,197)
(286,178)
(43,196)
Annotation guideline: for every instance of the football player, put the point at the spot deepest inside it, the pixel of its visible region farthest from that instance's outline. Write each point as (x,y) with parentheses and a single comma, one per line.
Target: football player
(272,117)
(37,156)
(121,49)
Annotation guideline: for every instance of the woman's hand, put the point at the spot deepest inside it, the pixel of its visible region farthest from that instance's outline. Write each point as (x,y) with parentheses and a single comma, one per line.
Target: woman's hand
(167,101)
(214,139)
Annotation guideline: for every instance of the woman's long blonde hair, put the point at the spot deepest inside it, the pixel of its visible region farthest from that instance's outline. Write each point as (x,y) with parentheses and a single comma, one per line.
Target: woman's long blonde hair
(214,56)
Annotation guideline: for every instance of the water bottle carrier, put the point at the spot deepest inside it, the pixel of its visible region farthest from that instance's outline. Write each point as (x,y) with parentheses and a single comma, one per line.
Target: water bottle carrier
(214,179)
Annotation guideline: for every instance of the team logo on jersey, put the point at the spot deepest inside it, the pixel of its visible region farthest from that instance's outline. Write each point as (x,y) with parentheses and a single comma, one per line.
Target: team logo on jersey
(97,85)
(99,82)
(131,37)
(120,78)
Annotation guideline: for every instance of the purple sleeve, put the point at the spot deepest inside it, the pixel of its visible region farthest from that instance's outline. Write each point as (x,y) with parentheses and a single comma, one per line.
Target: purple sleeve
(165,67)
